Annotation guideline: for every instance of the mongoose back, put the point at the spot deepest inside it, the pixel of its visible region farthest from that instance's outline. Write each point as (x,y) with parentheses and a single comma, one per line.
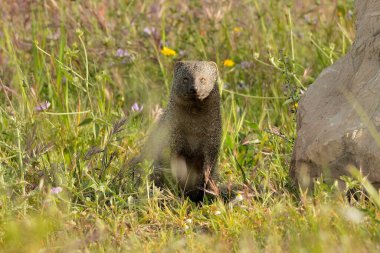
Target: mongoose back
(190,129)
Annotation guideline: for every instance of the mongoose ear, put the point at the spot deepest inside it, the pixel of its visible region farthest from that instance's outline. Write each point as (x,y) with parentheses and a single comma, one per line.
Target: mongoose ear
(177,66)
(213,64)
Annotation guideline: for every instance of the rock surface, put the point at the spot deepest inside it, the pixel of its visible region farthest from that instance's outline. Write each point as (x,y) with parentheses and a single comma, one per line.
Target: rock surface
(338,120)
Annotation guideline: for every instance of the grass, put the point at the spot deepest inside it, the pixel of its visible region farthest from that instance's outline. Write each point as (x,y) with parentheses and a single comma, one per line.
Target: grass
(70,73)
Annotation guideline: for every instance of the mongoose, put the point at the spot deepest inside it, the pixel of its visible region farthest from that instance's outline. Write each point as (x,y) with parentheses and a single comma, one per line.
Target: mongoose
(190,129)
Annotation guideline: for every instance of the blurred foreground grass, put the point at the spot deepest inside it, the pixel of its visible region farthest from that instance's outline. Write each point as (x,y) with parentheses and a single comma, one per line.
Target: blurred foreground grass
(81,82)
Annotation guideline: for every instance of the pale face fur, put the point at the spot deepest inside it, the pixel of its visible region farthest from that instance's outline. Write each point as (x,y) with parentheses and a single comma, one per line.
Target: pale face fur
(193,80)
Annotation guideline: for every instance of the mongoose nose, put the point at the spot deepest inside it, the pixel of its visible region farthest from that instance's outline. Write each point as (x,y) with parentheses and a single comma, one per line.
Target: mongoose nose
(192,90)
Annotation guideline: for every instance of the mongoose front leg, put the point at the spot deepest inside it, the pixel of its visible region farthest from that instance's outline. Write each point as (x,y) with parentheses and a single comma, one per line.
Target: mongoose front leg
(210,171)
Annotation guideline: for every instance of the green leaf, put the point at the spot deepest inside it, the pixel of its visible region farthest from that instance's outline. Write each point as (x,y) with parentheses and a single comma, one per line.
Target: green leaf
(85,122)
(288,101)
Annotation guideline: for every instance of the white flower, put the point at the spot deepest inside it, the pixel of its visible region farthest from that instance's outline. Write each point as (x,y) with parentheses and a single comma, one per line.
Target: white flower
(239,197)
(352,214)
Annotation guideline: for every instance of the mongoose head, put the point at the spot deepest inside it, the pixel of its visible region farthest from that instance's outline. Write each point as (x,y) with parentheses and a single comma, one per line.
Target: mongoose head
(194,80)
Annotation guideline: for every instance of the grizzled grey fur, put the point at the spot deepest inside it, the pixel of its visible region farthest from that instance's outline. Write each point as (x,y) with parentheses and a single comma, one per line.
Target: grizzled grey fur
(189,130)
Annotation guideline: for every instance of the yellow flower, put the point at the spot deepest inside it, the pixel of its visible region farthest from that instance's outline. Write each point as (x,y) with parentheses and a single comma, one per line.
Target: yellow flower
(295,107)
(237,29)
(228,63)
(168,51)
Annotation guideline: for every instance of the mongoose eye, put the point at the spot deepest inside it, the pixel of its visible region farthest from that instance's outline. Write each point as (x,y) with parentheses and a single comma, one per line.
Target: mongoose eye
(185,80)
(203,80)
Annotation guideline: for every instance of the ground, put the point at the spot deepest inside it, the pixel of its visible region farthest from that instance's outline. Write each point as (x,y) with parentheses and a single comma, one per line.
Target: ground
(82,82)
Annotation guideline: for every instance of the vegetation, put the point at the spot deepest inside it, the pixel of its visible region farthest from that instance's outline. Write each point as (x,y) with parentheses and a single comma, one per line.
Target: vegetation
(81,82)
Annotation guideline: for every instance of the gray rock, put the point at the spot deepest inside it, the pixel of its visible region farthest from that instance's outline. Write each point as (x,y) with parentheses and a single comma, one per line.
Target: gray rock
(338,120)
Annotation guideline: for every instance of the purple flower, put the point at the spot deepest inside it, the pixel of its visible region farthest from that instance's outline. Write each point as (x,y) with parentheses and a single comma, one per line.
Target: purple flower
(56,190)
(246,64)
(126,56)
(119,53)
(122,53)
(136,108)
(149,30)
(42,106)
